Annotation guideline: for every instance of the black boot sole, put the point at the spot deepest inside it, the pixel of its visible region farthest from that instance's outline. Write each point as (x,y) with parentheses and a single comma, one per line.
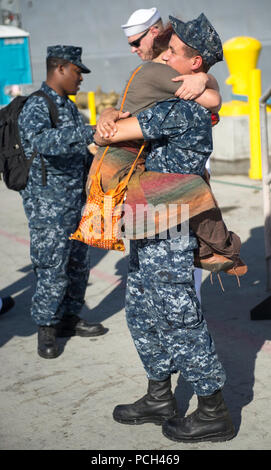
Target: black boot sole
(210,438)
(158,420)
(84,334)
(48,356)
(136,421)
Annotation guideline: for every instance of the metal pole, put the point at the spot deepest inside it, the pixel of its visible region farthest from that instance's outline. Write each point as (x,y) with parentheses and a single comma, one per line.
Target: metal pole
(254,95)
(92,108)
(265,184)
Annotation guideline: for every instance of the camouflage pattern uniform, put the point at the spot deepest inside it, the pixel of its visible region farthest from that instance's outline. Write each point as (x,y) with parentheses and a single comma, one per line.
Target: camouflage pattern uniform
(163,312)
(54,211)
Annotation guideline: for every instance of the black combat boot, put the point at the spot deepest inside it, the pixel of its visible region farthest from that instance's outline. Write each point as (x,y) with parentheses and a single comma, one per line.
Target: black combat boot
(72,325)
(209,422)
(158,405)
(47,345)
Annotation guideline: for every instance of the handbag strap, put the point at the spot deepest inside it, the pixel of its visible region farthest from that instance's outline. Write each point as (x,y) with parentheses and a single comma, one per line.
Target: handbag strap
(126,180)
(121,108)
(128,85)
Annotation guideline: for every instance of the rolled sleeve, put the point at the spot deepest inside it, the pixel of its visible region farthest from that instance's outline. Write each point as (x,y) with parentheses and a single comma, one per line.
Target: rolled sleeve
(164,119)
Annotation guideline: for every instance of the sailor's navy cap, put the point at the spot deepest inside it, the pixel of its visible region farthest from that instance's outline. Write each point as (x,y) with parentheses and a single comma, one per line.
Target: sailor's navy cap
(70,53)
(200,35)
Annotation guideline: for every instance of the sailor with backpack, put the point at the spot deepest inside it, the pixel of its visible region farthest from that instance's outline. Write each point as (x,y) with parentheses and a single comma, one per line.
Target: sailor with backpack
(44,155)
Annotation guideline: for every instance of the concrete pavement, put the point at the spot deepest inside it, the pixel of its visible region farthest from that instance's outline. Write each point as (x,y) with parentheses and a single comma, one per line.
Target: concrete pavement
(67,403)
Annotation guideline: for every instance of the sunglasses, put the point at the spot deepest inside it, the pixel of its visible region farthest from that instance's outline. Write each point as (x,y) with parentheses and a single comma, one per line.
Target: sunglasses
(137,42)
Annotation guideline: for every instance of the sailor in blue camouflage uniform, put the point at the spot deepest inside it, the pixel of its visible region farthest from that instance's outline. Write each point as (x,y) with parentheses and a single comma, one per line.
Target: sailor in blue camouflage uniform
(53,207)
(163,312)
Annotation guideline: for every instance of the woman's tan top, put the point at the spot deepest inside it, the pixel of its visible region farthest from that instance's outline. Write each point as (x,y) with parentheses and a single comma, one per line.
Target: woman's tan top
(151,84)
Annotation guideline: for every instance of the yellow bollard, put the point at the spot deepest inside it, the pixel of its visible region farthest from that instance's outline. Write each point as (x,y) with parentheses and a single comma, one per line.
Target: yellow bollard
(73,98)
(241,54)
(254,95)
(92,108)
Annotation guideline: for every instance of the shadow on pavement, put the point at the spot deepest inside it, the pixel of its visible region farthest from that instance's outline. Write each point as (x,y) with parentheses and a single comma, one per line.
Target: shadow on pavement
(18,322)
(238,339)
(114,301)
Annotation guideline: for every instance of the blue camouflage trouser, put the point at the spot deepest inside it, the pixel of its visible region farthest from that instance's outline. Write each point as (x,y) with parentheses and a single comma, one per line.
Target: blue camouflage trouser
(165,318)
(61,265)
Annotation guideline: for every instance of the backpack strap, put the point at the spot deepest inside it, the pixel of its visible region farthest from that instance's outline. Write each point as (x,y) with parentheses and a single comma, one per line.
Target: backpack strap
(51,105)
(54,118)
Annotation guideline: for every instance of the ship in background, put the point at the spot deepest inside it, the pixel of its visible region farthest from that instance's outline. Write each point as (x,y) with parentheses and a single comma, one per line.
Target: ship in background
(96,26)
(10,13)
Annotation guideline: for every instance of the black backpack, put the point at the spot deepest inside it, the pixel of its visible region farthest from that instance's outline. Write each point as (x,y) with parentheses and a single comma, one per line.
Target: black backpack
(13,163)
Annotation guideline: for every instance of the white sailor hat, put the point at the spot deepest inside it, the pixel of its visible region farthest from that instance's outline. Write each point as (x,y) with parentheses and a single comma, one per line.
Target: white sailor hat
(141,20)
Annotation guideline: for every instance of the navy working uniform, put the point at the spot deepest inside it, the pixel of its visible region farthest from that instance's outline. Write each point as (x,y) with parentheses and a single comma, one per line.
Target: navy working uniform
(162,309)
(54,210)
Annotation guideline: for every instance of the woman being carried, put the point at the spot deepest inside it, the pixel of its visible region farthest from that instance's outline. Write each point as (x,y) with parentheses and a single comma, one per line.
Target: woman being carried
(218,248)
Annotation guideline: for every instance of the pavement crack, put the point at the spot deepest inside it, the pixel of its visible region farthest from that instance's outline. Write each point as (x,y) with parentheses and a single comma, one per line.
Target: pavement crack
(15,387)
(92,393)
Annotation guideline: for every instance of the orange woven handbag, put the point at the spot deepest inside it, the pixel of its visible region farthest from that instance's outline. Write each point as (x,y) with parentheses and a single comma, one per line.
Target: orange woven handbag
(100,225)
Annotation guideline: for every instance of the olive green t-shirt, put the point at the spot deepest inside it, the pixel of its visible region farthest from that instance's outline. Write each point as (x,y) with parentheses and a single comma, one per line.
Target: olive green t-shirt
(152,83)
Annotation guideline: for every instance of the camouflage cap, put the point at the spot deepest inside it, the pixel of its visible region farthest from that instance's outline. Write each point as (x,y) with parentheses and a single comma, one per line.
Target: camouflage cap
(200,35)
(70,53)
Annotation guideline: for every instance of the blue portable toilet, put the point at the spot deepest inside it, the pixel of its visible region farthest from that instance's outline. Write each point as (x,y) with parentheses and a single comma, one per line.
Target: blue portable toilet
(15,60)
